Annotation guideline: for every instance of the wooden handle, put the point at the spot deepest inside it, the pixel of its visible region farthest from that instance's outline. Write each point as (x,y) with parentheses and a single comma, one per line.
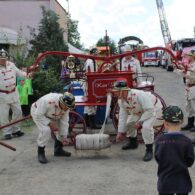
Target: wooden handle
(7,146)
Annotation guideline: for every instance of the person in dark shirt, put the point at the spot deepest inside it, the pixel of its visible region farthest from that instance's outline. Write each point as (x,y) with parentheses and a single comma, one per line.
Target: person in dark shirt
(174,153)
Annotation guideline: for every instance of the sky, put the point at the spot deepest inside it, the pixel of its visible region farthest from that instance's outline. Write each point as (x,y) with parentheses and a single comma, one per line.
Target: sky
(123,18)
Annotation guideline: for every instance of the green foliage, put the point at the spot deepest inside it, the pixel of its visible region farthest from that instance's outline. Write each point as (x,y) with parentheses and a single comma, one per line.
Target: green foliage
(50,36)
(45,82)
(111,44)
(73,34)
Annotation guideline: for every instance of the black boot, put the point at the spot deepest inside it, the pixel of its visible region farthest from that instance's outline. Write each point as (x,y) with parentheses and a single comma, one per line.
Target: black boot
(131,144)
(189,125)
(41,155)
(193,142)
(192,129)
(18,134)
(93,125)
(149,152)
(58,149)
(86,116)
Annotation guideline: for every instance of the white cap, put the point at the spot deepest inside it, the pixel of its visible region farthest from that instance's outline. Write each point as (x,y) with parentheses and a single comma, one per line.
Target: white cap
(127,48)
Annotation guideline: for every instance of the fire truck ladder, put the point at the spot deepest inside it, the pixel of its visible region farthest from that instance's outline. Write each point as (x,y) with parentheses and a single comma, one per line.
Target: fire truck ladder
(163,22)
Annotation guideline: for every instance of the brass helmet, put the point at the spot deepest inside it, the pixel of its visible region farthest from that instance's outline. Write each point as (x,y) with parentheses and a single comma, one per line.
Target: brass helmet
(191,53)
(68,100)
(3,54)
(70,62)
(93,51)
(120,84)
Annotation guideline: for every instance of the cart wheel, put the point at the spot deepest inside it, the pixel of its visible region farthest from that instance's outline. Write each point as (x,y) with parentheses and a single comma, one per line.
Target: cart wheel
(77,125)
(158,126)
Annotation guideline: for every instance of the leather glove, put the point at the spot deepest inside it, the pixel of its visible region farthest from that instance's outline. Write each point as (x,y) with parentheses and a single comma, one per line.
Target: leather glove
(120,137)
(67,141)
(138,125)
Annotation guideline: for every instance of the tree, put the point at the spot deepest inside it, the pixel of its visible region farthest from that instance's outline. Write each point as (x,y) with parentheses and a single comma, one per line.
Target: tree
(111,44)
(50,35)
(49,38)
(73,34)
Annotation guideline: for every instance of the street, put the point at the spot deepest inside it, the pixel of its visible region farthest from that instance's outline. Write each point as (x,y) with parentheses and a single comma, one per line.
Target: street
(107,172)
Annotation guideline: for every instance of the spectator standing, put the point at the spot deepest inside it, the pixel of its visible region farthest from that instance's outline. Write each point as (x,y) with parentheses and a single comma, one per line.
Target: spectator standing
(23,94)
(133,63)
(174,153)
(189,74)
(90,111)
(9,98)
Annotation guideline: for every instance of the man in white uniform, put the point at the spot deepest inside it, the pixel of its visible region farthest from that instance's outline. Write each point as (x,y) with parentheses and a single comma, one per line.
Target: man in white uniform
(90,111)
(51,113)
(133,63)
(189,76)
(9,97)
(138,110)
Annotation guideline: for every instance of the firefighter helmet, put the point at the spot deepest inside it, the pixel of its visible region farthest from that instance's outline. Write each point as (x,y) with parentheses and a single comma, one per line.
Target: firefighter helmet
(93,51)
(120,84)
(68,100)
(191,53)
(3,54)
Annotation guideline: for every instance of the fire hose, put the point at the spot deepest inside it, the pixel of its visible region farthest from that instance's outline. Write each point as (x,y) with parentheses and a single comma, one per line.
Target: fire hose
(12,123)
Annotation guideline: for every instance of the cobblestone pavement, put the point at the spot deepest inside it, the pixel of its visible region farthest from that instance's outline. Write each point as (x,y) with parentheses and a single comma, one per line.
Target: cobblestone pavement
(107,172)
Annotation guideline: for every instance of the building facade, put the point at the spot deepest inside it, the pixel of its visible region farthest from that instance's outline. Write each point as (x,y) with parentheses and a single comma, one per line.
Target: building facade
(16,16)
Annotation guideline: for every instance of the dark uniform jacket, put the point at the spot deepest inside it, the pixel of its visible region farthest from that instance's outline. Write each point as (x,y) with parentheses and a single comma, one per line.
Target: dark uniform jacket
(174,153)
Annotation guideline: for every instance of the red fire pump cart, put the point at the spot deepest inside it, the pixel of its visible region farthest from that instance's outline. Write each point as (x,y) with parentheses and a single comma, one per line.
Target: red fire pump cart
(100,82)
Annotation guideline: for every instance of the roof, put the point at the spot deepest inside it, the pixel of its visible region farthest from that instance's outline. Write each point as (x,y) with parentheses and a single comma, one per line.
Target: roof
(103,48)
(73,49)
(10,36)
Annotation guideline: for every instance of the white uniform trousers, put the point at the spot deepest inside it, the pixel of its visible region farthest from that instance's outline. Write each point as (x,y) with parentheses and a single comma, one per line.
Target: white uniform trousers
(4,116)
(44,130)
(147,126)
(190,107)
(90,110)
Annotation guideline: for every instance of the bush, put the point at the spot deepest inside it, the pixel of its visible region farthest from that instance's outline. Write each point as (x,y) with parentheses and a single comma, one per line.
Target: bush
(45,82)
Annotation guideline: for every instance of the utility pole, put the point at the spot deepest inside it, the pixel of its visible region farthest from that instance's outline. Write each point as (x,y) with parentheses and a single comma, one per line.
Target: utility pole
(194,31)
(106,41)
(68,6)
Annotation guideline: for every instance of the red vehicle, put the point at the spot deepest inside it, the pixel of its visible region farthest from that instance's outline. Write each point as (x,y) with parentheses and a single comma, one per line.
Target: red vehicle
(151,59)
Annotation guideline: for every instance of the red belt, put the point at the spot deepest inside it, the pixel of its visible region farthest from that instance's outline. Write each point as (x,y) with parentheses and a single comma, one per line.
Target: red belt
(7,92)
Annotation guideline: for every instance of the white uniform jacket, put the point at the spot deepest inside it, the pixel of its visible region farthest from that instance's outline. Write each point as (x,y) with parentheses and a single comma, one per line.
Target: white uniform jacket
(134,65)
(190,81)
(90,110)
(89,64)
(140,104)
(47,109)
(8,76)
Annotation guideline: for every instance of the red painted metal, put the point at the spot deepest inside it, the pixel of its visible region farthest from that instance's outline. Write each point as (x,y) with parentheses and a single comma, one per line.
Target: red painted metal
(100,83)
(104,59)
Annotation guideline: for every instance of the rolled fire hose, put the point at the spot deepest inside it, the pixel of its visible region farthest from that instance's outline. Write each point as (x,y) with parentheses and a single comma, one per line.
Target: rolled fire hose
(96,141)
